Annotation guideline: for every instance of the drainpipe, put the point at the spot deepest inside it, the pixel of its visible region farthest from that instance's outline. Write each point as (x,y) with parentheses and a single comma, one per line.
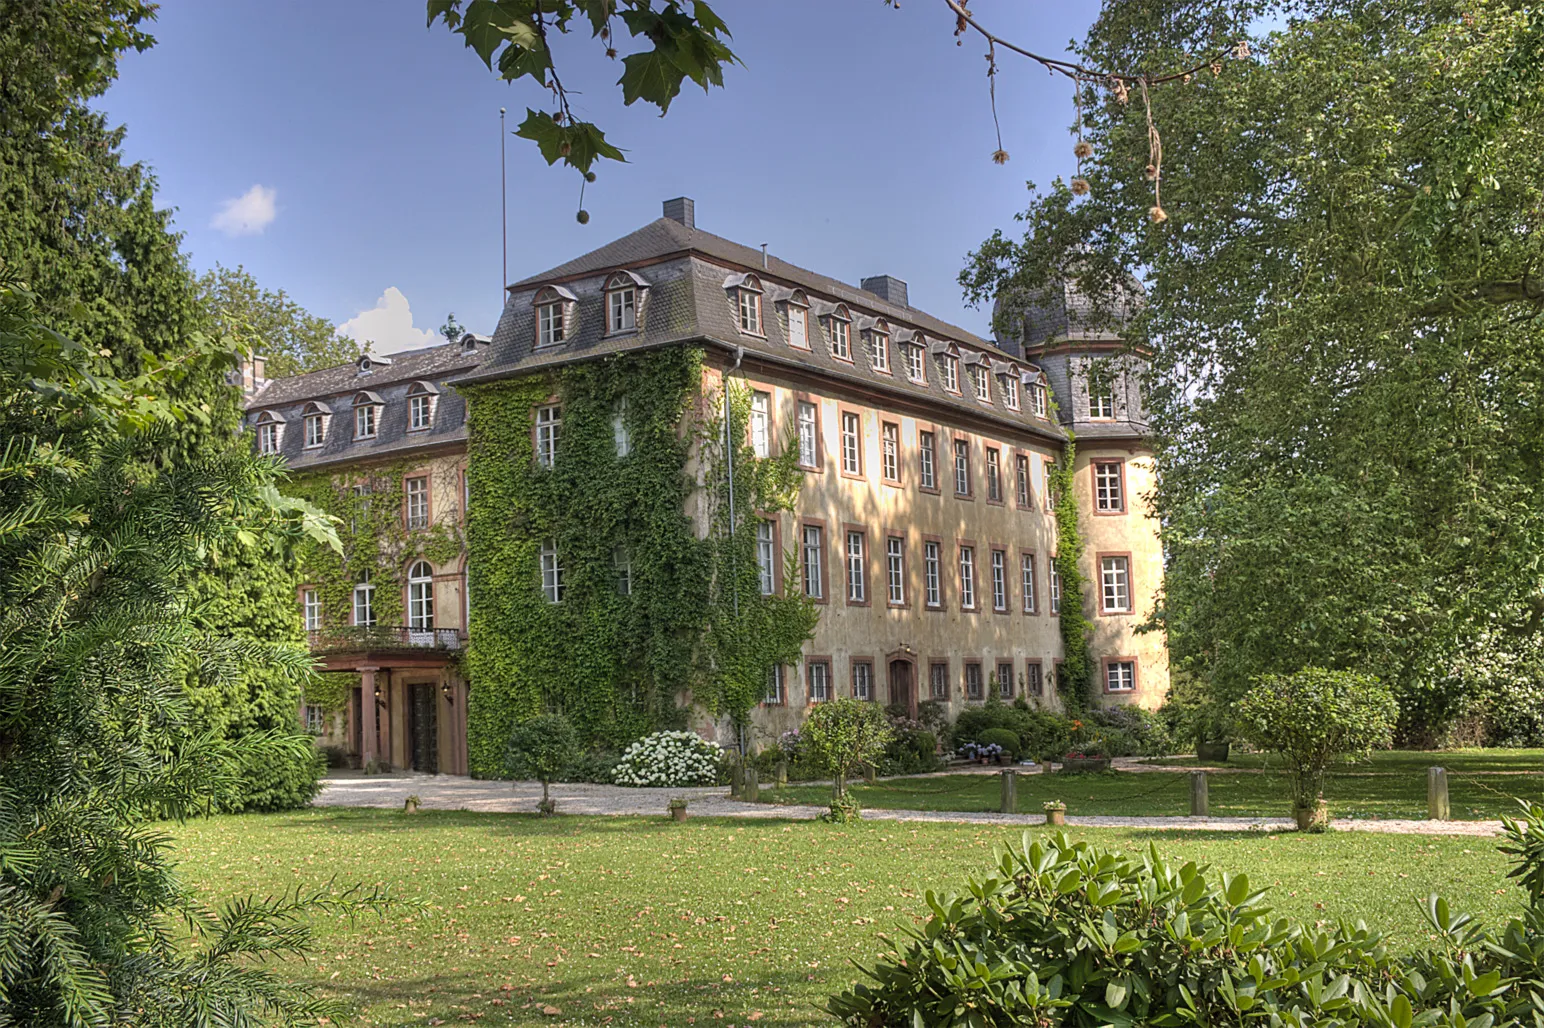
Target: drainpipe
(734,582)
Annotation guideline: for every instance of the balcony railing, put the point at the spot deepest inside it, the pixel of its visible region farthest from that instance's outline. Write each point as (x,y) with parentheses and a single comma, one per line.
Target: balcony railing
(382,637)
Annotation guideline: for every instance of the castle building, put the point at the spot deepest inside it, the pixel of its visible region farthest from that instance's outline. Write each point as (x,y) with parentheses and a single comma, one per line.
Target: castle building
(922,528)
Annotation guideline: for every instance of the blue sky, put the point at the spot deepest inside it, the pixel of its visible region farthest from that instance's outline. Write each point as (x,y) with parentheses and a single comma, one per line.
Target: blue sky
(342,151)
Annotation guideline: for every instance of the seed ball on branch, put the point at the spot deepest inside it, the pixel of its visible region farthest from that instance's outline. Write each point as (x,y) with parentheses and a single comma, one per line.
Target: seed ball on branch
(1151,171)
(1080,186)
(999,156)
(589,176)
(583,216)
(1157,215)
(1083,150)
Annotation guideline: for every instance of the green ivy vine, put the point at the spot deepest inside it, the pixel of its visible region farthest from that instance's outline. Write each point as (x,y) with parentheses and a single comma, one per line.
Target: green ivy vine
(616,663)
(1077,669)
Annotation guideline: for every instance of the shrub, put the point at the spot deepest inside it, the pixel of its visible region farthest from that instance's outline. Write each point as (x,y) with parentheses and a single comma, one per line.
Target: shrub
(1005,739)
(670,760)
(844,735)
(1066,934)
(1312,716)
(1142,733)
(598,766)
(912,749)
(542,748)
(277,771)
(1192,714)
(1041,733)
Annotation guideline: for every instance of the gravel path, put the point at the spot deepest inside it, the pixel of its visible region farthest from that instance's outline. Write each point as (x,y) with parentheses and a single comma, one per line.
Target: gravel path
(450,792)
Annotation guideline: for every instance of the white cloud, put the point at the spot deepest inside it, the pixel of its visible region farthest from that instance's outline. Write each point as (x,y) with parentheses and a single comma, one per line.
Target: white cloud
(248,214)
(388,326)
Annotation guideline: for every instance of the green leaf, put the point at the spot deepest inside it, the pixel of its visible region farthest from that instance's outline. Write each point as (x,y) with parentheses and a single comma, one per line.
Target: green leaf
(577,145)
(651,77)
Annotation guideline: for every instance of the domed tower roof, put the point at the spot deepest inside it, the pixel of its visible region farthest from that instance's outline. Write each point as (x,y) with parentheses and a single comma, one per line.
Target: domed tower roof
(1064,313)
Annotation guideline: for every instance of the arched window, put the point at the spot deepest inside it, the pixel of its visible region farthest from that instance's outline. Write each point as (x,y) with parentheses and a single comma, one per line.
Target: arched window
(367,414)
(420,406)
(798,308)
(270,431)
(839,331)
(553,304)
(748,305)
(420,596)
(624,301)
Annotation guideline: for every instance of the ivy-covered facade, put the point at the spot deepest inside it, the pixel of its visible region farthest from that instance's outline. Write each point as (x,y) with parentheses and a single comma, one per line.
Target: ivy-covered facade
(698,486)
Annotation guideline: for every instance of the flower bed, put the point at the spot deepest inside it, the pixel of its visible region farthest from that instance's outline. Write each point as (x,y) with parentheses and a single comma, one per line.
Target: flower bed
(670,759)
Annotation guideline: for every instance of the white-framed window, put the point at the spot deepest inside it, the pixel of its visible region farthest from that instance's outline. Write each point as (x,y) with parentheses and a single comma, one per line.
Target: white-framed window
(857,580)
(1120,676)
(938,680)
(809,434)
(761,424)
(895,569)
(813,545)
(550,326)
(622,309)
(961,467)
(365,421)
(551,572)
(973,680)
(852,443)
(316,719)
(1115,584)
(1109,487)
(420,596)
(951,372)
(1034,680)
(890,451)
(1027,581)
(1038,401)
(315,431)
(417,498)
(1101,395)
(621,438)
(798,325)
(766,556)
(999,580)
(748,306)
(967,577)
(549,428)
(420,411)
(840,329)
(932,574)
(818,673)
(1021,473)
(916,367)
(862,680)
(879,351)
(1004,680)
(622,565)
(994,475)
(982,379)
(311,604)
(268,437)
(927,452)
(777,686)
(364,602)
(361,493)
(1055,587)
(1010,392)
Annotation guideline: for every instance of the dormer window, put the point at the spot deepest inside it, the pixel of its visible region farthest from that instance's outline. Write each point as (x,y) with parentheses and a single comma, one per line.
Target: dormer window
(367,407)
(552,309)
(1038,400)
(421,398)
(798,321)
(916,367)
(949,366)
(748,303)
(839,328)
(1101,395)
(982,379)
(314,424)
(624,295)
(1010,392)
(877,339)
(270,432)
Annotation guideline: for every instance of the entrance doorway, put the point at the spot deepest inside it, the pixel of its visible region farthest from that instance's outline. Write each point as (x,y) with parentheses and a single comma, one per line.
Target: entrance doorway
(423,727)
(902,689)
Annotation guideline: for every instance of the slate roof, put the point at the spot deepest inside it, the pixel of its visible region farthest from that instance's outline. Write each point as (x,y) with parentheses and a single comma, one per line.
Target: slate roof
(1063,311)
(687,302)
(335,388)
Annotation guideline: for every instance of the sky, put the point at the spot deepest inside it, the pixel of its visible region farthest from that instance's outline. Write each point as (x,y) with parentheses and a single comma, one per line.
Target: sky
(342,151)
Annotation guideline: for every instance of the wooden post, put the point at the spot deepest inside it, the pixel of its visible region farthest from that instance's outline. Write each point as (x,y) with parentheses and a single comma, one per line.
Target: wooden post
(782,772)
(1200,805)
(869,774)
(736,780)
(1010,804)
(752,788)
(1437,807)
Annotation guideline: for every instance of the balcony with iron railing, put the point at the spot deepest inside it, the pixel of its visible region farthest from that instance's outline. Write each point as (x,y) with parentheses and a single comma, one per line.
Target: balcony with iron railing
(353,638)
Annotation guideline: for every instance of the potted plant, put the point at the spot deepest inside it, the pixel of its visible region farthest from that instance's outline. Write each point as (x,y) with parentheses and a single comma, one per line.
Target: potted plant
(1309,718)
(410,805)
(678,807)
(1055,812)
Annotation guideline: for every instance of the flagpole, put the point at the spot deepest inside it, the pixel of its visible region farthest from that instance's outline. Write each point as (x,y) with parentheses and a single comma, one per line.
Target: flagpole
(503,211)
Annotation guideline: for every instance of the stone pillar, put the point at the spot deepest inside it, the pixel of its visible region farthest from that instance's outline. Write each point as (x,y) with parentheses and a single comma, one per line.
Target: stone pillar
(1200,803)
(1437,807)
(367,740)
(752,788)
(1010,797)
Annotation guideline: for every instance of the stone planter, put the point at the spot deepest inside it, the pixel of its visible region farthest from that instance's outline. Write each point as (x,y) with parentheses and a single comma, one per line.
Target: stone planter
(1212,752)
(1055,817)
(1312,819)
(1077,765)
(678,813)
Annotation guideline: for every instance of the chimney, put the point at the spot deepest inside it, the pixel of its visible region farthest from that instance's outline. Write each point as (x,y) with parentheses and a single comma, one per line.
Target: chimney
(886,287)
(683,210)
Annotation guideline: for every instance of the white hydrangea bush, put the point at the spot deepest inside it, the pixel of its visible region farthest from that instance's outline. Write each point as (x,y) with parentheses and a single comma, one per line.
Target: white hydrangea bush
(669,759)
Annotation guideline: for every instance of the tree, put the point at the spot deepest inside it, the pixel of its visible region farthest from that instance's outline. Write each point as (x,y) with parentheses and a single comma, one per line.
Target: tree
(103,527)
(272,324)
(842,736)
(1343,300)
(542,748)
(1312,716)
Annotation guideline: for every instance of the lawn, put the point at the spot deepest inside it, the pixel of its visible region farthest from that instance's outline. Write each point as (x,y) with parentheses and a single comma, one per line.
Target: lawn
(1392,785)
(633,921)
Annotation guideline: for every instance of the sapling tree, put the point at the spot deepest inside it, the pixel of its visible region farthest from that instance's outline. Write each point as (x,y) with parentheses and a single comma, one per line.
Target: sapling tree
(542,748)
(840,737)
(1312,716)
